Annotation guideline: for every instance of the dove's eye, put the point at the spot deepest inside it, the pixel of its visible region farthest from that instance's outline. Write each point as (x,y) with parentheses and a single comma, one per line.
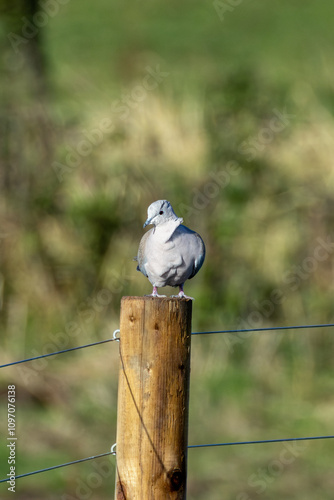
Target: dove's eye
(161,212)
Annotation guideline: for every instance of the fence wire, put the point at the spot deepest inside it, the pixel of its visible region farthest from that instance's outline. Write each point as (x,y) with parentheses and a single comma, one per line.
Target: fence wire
(210,445)
(244,330)
(266,329)
(53,467)
(60,352)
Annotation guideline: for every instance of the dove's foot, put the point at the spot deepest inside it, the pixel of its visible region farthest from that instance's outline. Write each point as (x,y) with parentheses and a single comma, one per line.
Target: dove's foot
(182,295)
(155,293)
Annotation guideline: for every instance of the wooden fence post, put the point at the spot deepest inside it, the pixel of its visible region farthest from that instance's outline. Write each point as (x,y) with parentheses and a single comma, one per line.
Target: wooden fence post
(153,398)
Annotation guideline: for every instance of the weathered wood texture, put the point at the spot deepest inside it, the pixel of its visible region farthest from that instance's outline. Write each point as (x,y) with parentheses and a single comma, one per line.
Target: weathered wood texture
(153,398)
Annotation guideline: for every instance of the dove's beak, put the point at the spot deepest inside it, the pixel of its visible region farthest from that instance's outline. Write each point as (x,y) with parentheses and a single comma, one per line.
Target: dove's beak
(147,222)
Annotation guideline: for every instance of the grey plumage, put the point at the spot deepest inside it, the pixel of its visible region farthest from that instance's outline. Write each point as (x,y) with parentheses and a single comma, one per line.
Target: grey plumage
(169,253)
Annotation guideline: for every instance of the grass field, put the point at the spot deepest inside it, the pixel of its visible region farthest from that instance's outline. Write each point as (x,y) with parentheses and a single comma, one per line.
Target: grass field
(228,113)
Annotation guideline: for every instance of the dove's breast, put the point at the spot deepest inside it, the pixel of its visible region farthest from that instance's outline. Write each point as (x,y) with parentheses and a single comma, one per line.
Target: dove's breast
(174,261)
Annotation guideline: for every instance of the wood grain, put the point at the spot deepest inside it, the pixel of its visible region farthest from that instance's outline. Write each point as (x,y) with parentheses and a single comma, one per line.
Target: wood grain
(153,398)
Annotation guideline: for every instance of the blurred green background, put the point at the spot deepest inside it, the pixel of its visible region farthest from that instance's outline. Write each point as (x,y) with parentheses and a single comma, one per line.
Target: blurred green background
(224,108)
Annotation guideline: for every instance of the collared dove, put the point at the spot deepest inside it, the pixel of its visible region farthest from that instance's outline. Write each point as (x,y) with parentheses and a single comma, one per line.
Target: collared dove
(169,253)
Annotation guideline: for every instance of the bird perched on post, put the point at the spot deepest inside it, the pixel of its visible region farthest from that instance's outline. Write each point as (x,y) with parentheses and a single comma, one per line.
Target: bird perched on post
(169,253)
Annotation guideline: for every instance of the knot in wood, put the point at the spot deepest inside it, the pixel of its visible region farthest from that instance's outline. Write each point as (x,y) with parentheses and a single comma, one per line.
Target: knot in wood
(176,478)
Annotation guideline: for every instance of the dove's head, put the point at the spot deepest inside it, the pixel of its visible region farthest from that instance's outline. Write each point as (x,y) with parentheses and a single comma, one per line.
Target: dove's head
(159,212)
